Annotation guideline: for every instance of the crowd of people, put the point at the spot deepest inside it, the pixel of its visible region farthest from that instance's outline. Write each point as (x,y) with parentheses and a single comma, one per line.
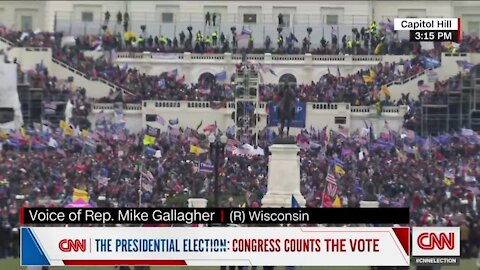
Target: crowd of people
(362,88)
(437,179)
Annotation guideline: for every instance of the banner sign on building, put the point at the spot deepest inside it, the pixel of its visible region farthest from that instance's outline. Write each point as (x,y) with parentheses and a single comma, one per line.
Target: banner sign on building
(299,121)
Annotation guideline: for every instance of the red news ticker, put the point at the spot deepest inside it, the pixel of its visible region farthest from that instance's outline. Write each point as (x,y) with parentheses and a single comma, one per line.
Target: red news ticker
(124,262)
(306,245)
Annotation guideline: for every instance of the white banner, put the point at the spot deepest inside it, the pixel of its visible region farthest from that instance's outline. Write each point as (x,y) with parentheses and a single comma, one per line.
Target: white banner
(165,56)
(9,96)
(216,246)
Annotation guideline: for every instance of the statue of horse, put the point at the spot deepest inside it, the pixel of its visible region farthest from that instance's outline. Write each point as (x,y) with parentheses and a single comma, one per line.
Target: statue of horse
(286,109)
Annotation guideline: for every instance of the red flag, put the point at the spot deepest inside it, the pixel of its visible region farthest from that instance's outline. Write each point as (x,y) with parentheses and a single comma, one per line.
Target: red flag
(326,202)
(181,80)
(210,128)
(439,155)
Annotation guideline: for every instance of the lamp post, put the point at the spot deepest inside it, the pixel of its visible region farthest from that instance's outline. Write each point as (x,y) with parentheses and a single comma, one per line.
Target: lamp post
(217,147)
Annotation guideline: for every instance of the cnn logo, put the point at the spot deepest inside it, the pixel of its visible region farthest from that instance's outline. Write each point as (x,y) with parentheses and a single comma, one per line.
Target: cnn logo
(436,241)
(75,245)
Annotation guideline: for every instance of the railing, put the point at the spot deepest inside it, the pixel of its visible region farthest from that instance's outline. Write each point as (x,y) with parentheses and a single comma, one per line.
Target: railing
(455,54)
(325,106)
(36,49)
(72,69)
(288,57)
(360,109)
(7,41)
(102,106)
(132,107)
(367,58)
(231,105)
(163,104)
(198,104)
(390,109)
(76,71)
(111,106)
(306,58)
(208,56)
(409,78)
(328,58)
(130,55)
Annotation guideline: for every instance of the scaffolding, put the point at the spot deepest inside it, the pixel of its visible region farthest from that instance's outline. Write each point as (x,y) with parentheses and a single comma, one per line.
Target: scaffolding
(31,102)
(475,86)
(247,82)
(458,108)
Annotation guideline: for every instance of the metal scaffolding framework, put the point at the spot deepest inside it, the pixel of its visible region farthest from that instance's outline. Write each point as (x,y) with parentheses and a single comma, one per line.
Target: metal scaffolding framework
(31,101)
(459,108)
(247,82)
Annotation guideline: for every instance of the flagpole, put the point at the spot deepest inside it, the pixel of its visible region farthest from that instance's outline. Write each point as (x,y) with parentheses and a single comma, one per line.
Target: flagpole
(325,186)
(140,185)
(323,193)
(142,161)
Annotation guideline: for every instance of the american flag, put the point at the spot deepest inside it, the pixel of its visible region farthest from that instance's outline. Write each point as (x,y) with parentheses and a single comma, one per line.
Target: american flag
(160,120)
(181,80)
(343,130)
(204,91)
(424,88)
(233,142)
(245,34)
(147,184)
(173,73)
(210,128)
(100,116)
(102,181)
(331,187)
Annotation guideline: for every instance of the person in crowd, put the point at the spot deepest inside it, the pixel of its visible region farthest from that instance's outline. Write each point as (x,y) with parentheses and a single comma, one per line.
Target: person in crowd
(267,43)
(207,18)
(214,18)
(182,38)
(119,17)
(107,17)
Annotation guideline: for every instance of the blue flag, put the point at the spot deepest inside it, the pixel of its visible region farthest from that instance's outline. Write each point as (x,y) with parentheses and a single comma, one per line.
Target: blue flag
(295,204)
(429,62)
(13,142)
(205,167)
(339,162)
(161,83)
(221,76)
(150,151)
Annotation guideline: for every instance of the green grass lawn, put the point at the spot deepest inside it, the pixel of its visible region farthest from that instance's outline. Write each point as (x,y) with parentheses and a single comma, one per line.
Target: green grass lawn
(14,264)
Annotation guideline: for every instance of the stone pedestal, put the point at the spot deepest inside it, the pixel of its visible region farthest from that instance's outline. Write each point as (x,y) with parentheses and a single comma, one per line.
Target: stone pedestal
(197,203)
(369,204)
(283,177)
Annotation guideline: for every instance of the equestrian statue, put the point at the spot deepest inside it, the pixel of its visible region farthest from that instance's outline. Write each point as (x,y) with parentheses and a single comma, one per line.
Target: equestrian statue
(286,109)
